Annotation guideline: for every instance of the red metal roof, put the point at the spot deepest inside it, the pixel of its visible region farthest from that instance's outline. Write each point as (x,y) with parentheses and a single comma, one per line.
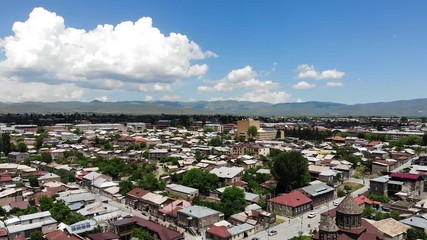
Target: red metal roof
(137,192)
(293,199)
(220,231)
(163,232)
(103,236)
(60,235)
(362,199)
(409,176)
(5,179)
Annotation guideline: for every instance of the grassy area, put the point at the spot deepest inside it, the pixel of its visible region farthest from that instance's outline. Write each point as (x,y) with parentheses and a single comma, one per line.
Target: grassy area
(279,221)
(350,186)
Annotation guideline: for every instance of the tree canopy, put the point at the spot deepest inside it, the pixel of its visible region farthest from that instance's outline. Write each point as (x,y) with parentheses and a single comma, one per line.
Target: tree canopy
(46,157)
(125,187)
(36,235)
(5,145)
(62,213)
(252,131)
(150,182)
(290,169)
(232,201)
(200,179)
(140,234)
(414,234)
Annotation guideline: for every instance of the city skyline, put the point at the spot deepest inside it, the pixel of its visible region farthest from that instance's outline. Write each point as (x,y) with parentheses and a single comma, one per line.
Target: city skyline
(269,51)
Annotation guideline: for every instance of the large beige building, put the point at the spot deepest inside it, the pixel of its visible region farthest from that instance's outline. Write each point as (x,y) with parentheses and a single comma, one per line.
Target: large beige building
(244,125)
(262,134)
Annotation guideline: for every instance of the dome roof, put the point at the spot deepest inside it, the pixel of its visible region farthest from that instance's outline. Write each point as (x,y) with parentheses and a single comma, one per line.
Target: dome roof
(349,206)
(328,225)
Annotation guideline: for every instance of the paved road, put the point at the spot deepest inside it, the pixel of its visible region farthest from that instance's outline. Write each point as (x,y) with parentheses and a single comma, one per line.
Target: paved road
(405,165)
(290,229)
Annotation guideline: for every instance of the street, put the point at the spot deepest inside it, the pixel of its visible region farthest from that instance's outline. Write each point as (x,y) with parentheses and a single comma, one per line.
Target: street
(292,226)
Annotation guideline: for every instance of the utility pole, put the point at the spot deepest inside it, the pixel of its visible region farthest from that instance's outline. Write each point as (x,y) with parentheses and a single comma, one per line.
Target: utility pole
(301,232)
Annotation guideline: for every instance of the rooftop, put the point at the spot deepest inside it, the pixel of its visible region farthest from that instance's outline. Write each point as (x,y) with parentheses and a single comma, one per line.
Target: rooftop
(198,211)
(293,199)
(227,172)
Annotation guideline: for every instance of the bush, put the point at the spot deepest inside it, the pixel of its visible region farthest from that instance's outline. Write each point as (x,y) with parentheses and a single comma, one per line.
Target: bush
(383,199)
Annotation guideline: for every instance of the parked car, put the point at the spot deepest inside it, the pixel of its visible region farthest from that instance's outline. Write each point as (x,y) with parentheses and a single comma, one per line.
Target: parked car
(336,203)
(255,238)
(272,232)
(311,215)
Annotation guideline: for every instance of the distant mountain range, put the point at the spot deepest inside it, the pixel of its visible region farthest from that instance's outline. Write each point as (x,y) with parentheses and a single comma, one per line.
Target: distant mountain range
(415,107)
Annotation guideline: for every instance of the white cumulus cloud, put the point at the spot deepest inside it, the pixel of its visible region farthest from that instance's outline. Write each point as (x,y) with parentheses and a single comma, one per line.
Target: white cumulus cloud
(303,85)
(12,90)
(264,95)
(261,95)
(239,78)
(43,49)
(170,98)
(334,84)
(102,99)
(309,71)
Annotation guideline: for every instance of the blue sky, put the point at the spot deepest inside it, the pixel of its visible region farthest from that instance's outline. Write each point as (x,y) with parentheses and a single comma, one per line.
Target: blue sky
(273,51)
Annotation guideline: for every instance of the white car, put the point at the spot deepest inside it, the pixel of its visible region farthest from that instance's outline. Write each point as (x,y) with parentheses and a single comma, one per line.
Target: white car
(336,203)
(272,232)
(311,215)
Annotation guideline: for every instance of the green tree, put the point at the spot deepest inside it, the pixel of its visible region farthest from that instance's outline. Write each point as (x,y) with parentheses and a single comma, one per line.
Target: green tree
(232,201)
(381,215)
(200,179)
(216,142)
(252,131)
(290,169)
(125,187)
(414,234)
(368,212)
(379,198)
(198,156)
(5,143)
(37,235)
(140,234)
(34,182)
(21,147)
(45,203)
(39,141)
(150,182)
(403,119)
(355,160)
(395,215)
(2,212)
(46,157)
(107,146)
(62,213)
(301,238)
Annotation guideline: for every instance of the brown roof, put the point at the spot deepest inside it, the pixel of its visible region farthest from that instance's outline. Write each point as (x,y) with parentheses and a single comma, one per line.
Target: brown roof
(219,231)
(349,206)
(38,195)
(163,232)
(20,205)
(137,193)
(103,236)
(60,235)
(293,199)
(5,178)
(124,221)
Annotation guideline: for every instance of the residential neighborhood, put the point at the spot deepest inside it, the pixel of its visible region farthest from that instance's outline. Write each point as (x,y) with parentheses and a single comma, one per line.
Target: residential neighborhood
(319,178)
